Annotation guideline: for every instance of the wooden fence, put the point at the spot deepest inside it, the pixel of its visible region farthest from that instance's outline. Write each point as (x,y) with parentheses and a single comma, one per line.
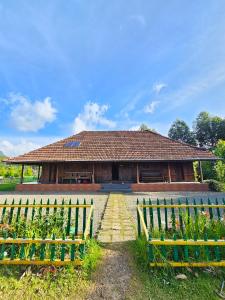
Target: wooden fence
(45,233)
(183,234)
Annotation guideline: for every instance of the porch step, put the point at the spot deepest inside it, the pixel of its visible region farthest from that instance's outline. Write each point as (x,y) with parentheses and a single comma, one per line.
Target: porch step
(116,187)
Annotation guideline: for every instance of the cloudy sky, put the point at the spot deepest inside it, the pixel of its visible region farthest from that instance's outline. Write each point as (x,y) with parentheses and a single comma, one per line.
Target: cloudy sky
(67,66)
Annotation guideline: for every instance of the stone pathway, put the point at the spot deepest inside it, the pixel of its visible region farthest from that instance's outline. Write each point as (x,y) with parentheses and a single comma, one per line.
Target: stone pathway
(117,224)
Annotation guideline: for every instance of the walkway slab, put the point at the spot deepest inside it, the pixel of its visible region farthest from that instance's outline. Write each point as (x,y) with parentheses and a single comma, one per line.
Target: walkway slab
(117,224)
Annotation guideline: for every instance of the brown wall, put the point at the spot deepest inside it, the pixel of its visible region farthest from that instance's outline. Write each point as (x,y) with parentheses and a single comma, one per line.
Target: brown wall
(127,171)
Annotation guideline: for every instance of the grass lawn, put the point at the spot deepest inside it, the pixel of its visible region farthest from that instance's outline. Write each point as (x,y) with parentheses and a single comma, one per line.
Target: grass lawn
(7,187)
(161,283)
(20,282)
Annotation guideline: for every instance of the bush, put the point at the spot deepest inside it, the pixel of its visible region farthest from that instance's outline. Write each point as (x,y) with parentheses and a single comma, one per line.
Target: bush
(214,185)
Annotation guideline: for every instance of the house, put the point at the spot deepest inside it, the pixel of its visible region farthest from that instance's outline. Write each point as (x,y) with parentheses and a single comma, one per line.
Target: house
(144,160)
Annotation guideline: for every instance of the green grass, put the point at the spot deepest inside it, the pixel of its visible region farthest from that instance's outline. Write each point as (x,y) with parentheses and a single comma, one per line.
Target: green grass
(149,283)
(5,187)
(46,283)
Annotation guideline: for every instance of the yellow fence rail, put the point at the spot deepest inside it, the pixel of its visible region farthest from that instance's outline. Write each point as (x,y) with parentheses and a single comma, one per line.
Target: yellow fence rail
(166,228)
(60,240)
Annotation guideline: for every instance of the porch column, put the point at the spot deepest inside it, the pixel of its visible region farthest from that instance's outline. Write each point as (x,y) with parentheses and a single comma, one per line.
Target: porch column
(169,172)
(39,169)
(93,173)
(138,181)
(21,177)
(200,170)
(57,175)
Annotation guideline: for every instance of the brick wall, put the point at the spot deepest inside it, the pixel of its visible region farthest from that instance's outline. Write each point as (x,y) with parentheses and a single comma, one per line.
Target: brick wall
(57,187)
(161,187)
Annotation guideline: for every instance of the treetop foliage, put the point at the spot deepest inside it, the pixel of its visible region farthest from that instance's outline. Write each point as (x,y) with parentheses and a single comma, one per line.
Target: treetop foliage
(207,131)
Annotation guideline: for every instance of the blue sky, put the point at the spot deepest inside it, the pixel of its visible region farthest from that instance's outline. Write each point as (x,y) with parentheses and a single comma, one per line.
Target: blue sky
(67,66)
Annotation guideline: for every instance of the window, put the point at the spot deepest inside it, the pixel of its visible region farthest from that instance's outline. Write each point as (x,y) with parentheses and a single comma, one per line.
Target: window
(72,144)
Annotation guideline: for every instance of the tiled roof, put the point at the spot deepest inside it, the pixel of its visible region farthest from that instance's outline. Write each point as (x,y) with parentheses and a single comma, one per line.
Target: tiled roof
(113,146)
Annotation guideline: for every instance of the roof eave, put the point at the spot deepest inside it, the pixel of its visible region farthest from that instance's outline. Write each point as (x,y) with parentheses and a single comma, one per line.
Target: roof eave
(111,160)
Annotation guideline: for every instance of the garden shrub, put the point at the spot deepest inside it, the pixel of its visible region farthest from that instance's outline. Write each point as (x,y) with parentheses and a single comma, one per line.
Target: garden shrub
(214,185)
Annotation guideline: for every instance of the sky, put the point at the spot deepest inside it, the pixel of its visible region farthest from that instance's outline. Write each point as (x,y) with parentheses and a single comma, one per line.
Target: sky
(68,66)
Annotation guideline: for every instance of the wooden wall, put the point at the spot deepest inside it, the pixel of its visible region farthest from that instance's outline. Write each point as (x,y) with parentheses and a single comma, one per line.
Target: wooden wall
(181,171)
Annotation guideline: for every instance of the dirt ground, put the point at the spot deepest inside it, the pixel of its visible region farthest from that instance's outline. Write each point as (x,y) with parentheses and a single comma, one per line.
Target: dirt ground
(112,279)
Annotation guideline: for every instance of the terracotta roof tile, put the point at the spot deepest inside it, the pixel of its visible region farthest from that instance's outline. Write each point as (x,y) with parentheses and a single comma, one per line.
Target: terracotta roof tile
(115,145)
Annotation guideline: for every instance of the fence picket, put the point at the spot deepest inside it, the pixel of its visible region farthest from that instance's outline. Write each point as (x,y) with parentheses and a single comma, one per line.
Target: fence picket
(166,215)
(159,216)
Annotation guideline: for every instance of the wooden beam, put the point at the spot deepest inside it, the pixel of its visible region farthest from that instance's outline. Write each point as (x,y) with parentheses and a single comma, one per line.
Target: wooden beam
(39,170)
(200,170)
(138,178)
(21,178)
(57,174)
(169,172)
(93,173)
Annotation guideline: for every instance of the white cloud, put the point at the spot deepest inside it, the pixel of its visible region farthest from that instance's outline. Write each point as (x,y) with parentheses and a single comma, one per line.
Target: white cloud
(135,127)
(140,19)
(12,149)
(30,116)
(91,117)
(19,145)
(150,108)
(157,87)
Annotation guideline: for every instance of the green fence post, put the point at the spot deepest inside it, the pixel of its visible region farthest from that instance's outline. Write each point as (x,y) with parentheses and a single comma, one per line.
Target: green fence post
(175,249)
(22,249)
(180,218)
(173,217)
(151,214)
(40,210)
(196,216)
(77,219)
(47,208)
(84,216)
(2,254)
(150,250)
(138,221)
(12,255)
(32,249)
(42,250)
(11,212)
(217,251)
(62,209)
(206,248)
(55,208)
(92,221)
(163,248)
(166,215)
(218,210)
(72,250)
(52,251)
(26,210)
(196,248)
(159,215)
(202,208)
(186,256)
(18,211)
(210,210)
(33,210)
(3,212)
(188,211)
(68,220)
(145,213)
(224,204)
(63,249)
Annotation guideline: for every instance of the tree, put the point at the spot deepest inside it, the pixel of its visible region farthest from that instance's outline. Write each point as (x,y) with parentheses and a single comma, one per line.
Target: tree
(220,149)
(220,165)
(209,130)
(180,131)
(144,127)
